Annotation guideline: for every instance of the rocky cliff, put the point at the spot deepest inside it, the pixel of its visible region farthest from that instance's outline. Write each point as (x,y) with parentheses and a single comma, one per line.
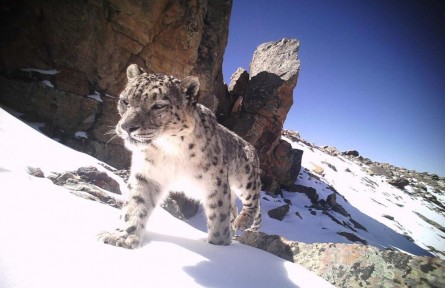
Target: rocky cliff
(64,61)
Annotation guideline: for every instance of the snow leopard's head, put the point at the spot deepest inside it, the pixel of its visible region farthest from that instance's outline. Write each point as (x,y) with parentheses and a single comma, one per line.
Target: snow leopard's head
(155,105)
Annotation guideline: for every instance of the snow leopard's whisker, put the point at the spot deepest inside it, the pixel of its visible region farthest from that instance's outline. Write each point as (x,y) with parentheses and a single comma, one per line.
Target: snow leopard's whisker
(111,139)
(109,132)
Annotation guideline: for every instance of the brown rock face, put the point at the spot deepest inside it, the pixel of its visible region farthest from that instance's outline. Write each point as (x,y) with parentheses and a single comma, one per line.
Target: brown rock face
(90,43)
(84,48)
(267,100)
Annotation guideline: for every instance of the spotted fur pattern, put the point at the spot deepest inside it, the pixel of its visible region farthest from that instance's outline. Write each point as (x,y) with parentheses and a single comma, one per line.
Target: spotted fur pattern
(178,145)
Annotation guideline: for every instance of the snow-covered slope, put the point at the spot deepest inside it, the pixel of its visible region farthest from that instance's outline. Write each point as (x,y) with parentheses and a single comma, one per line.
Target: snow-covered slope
(48,236)
(374,212)
(379,213)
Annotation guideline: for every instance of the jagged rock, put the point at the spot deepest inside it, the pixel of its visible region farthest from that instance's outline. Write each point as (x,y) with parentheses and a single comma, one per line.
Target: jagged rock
(399,182)
(353,153)
(98,178)
(309,191)
(279,213)
(238,84)
(273,244)
(36,172)
(292,135)
(85,46)
(376,169)
(91,192)
(331,150)
(354,265)
(267,100)
(331,201)
(352,237)
(89,183)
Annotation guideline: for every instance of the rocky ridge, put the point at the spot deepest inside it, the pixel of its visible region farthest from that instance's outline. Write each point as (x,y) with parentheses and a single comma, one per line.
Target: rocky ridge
(418,184)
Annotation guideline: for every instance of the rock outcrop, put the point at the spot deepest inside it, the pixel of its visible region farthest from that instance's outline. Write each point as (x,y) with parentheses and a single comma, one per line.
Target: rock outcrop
(64,61)
(267,98)
(354,265)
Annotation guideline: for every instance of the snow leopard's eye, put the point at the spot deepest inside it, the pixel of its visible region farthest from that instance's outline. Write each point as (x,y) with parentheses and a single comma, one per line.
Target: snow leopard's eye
(158,106)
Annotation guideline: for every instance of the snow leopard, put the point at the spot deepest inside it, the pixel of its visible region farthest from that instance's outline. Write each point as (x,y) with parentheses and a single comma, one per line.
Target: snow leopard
(178,145)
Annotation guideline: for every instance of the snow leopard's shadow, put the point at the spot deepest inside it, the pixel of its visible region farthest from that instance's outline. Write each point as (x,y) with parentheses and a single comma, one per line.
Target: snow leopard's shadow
(218,269)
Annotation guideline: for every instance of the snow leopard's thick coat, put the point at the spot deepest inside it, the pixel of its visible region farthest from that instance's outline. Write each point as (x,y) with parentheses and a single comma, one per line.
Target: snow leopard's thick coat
(178,145)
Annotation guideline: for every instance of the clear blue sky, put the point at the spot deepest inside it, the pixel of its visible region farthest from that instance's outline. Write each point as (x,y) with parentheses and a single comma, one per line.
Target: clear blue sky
(372,74)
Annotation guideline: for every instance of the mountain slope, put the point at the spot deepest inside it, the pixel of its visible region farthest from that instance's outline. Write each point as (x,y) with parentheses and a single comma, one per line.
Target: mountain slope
(337,200)
(389,216)
(49,236)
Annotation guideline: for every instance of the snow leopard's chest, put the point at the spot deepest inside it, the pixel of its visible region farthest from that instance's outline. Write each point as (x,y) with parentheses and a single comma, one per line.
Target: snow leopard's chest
(187,166)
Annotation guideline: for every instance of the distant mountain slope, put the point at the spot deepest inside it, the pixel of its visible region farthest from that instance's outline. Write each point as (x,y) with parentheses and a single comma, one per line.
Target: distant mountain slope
(385,206)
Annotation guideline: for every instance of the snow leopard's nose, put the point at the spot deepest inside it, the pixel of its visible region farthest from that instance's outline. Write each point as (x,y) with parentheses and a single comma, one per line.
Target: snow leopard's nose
(130,127)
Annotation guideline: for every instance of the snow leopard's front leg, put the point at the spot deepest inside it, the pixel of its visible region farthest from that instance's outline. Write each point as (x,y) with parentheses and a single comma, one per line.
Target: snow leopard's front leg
(144,195)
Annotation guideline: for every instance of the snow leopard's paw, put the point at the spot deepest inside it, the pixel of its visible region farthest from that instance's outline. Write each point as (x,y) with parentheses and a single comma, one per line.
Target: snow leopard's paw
(120,239)
(243,221)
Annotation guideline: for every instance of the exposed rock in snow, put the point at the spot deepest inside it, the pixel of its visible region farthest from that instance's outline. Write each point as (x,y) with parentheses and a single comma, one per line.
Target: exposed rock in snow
(399,182)
(353,265)
(279,213)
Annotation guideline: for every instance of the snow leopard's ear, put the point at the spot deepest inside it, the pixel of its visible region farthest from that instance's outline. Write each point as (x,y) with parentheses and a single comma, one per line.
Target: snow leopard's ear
(133,71)
(190,88)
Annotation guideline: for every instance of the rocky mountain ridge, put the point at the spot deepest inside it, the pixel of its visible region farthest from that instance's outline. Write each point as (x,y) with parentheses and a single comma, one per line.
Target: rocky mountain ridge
(421,184)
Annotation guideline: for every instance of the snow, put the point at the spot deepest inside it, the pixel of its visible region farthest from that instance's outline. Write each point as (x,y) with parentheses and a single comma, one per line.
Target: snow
(49,237)
(81,134)
(95,96)
(48,83)
(41,71)
(368,199)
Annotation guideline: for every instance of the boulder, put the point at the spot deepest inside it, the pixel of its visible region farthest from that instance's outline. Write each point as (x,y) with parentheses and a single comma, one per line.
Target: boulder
(331,150)
(99,178)
(310,192)
(266,102)
(354,265)
(279,213)
(399,182)
(353,153)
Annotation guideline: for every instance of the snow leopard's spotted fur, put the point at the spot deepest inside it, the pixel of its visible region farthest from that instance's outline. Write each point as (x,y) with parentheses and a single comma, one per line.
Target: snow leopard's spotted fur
(178,145)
